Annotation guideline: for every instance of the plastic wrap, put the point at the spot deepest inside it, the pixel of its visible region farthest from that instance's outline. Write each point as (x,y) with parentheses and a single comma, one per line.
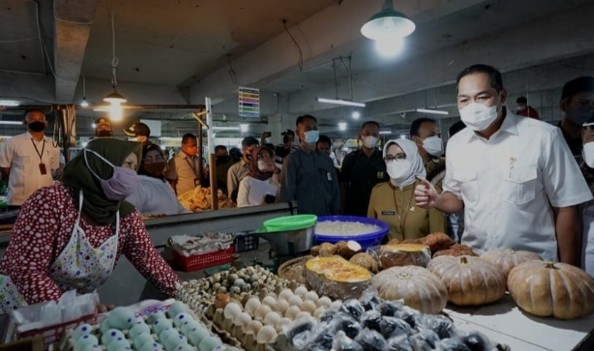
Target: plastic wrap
(389,308)
(336,277)
(371,319)
(397,255)
(424,340)
(371,340)
(369,299)
(441,325)
(477,341)
(300,333)
(352,307)
(454,344)
(345,322)
(398,343)
(391,327)
(344,343)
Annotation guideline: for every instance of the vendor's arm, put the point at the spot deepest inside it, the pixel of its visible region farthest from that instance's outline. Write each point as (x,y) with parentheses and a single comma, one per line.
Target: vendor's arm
(568,235)
(32,244)
(140,250)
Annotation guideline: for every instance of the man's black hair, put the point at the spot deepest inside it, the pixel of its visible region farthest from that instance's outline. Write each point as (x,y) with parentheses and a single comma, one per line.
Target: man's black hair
(220,147)
(522,100)
(187,138)
(416,125)
(301,119)
(494,75)
(249,141)
(324,139)
(370,123)
(576,86)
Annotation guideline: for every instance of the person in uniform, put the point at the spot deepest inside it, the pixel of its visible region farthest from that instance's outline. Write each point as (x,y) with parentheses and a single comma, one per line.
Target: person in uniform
(514,177)
(79,230)
(393,201)
(426,134)
(240,170)
(182,172)
(362,170)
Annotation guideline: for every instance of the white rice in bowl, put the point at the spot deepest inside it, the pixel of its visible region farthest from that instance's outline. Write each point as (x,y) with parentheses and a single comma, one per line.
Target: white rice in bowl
(345,228)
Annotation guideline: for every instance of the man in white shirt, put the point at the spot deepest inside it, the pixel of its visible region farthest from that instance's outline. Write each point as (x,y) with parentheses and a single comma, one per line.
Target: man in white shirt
(183,174)
(239,170)
(515,177)
(28,160)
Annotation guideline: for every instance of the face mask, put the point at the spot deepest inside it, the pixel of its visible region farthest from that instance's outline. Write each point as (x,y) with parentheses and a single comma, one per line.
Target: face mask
(122,182)
(312,137)
(263,166)
(588,154)
(478,116)
(155,169)
(399,171)
(370,142)
(104,133)
(578,116)
(36,126)
(433,145)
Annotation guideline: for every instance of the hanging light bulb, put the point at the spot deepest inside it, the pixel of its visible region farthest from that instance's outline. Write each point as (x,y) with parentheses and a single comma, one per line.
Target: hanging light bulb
(115,112)
(84,103)
(389,47)
(388,23)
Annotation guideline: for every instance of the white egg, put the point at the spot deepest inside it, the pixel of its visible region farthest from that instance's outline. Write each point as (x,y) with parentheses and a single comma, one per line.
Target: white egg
(281,306)
(312,296)
(285,294)
(242,319)
(295,300)
(319,311)
(266,335)
(269,300)
(281,323)
(324,301)
(335,306)
(271,318)
(303,314)
(253,326)
(301,291)
(262,311)
(292,312)
(308,306)
(232,310)
(252,305)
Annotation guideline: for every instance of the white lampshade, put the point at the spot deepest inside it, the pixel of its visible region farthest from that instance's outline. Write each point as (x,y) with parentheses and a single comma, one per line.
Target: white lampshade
(388,24)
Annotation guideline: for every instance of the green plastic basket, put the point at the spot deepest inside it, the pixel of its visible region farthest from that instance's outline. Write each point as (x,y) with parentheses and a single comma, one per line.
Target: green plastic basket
(286,223)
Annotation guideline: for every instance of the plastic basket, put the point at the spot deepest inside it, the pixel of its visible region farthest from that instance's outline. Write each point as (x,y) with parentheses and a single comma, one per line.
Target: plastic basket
(245,242)
(365,240)
(54,333)
(202,261)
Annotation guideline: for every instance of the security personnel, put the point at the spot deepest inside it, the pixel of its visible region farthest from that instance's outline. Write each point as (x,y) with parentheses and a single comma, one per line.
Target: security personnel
(426,134)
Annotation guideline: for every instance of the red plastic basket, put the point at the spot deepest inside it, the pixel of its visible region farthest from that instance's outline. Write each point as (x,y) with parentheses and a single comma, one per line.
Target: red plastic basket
(54,333)
(202,261)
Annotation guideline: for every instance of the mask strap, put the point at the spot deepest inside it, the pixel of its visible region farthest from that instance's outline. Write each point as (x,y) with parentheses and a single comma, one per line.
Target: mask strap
(100,157)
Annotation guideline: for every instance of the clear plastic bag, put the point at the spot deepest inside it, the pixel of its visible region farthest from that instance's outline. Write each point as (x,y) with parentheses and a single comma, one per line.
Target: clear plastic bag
(371,319)
(371,340)
(398,343)
(424,340)
(352,307)
(344,343)
(394,327)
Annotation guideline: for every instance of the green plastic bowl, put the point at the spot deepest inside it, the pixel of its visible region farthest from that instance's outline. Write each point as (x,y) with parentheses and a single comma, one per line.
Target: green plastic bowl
(286,223)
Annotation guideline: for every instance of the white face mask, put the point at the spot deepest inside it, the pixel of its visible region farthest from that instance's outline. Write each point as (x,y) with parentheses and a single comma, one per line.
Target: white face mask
(399,171)
(263,166)
(312,137)
(370,142)
(588,154)
(433,145)
(478,116)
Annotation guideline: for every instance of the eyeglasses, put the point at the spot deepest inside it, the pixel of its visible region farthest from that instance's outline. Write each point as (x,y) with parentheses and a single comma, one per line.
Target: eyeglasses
(397,157)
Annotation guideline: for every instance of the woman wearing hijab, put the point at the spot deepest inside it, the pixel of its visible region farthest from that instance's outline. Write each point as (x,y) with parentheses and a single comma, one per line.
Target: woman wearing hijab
(259,187)
(393,202)
(154,196)
(71,234)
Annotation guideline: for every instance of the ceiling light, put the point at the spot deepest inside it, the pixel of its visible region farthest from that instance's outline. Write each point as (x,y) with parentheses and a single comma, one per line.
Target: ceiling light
(15,123)
(84,103)
(356,114)
(388,24)
(114,98)
(244,127)
(434,112)
(341,102)
(93,125)
(385,132)
(226,128)
(9,103)
(342,126)
(389,48)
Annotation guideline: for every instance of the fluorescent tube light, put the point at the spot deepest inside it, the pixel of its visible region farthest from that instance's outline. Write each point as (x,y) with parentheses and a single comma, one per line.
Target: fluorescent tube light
(226,128)
(342,126)
(9,103)
(341,102)
(385,132)
(15,123)
(434,112)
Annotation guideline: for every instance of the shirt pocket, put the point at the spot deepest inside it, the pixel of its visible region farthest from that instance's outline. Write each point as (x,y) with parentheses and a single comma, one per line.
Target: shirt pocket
(467,178)
(519,186)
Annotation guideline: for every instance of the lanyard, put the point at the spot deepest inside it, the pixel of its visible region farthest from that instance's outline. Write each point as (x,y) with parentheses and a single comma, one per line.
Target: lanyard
(40,154)
(399,209)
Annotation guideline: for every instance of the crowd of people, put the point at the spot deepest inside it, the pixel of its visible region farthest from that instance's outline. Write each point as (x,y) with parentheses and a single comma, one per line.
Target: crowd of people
(503,181)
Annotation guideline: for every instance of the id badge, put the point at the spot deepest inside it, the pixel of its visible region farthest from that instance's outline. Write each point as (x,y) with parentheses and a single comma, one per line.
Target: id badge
(42,168)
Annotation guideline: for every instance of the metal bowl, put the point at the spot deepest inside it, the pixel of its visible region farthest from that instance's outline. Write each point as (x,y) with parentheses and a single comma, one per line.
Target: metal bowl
(289,242)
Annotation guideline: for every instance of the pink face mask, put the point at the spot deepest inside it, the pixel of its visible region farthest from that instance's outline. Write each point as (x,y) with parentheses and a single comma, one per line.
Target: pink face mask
(122,182)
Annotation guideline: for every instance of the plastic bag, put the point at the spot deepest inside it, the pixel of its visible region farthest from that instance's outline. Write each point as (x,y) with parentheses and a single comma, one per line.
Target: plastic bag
(370,299)
(393,327)
(371,340)
(352,307)
(345,322)
(397,255)
(389,308)
(299,333)
(477,341)
(441,325)
(371,319)
(408,315)
(424,340)
(398,343)
(454,344)
(344,343)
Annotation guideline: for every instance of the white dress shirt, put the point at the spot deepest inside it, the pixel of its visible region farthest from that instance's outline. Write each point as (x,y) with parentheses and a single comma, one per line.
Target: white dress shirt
(588,237)
(21,156)
(510,183)
(154,196)
(252,191)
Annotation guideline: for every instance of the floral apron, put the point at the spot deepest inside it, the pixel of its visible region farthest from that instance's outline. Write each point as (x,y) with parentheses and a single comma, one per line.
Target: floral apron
(80,266)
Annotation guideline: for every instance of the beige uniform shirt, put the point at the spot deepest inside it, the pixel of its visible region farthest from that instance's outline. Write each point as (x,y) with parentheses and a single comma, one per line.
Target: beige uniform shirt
(184,169)
(23,155)
(397,208)
(235,175)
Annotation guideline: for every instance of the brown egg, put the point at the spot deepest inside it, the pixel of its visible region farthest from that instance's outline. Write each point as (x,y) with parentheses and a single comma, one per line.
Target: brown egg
(222,300)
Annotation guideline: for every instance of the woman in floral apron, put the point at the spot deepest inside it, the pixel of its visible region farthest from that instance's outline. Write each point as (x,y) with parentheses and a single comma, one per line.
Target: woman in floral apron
(70,235)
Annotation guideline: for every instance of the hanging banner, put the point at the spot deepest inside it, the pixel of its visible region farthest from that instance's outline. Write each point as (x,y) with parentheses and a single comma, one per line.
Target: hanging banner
(249,102)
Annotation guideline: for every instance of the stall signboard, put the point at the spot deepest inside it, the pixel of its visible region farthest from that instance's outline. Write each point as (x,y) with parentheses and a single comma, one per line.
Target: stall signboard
(249,102)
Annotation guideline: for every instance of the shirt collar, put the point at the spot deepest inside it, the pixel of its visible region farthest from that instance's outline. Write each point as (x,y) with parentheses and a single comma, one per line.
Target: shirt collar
(29,136)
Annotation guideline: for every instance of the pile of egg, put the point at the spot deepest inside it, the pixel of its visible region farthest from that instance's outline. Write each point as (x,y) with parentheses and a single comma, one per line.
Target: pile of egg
(200,293)
(121,330)
(265,318)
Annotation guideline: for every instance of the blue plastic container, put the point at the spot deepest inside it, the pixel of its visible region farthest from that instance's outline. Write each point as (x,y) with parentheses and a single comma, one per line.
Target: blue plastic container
(365,240)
